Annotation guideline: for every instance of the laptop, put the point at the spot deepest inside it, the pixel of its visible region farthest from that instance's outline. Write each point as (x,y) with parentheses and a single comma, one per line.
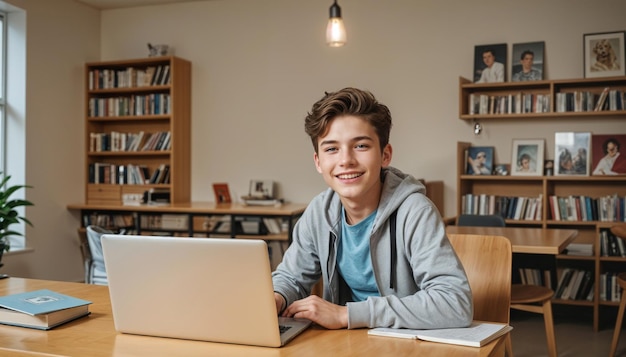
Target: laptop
(208,289)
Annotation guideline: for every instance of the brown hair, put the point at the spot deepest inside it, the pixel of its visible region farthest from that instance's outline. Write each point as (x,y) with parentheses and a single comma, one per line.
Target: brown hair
(348,101)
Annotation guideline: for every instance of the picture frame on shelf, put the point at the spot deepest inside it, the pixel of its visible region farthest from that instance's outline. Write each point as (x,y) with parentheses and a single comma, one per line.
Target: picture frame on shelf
(548,168)
(489,63)
(604,54)
(527,158)
(606,153)
(479,160)
(571,153)
(261,189)
(528,61)
(221,192)
(502,170)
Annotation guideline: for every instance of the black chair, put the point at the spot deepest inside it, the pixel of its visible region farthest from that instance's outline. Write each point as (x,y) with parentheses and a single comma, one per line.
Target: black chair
(531,298)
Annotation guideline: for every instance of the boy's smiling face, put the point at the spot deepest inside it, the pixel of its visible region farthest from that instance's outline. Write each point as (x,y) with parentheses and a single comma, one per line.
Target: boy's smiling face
(349,159)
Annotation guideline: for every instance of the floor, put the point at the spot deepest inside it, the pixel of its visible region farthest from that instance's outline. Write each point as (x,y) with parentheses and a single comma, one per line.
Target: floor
(574,333)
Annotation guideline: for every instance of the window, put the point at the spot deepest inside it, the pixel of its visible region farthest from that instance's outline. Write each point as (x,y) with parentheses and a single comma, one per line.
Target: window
(3,26)
(13,103)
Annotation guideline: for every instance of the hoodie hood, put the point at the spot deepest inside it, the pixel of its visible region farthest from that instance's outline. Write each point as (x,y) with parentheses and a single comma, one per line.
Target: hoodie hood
(397,186)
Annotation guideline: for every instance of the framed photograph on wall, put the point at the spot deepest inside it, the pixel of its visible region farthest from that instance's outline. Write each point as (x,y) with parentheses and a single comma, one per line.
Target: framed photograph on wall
(604,54)
(607,156)
(527,159)
(527,63)
(489,61)
(479,160)
(571,152)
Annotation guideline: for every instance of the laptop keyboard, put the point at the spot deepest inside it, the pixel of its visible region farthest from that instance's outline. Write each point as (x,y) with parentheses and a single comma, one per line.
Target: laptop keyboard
(283,328)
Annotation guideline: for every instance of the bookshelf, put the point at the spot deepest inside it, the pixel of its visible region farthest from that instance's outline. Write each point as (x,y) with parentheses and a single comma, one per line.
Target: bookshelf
(199,219)
(575,98)
(543,187)
(137,115)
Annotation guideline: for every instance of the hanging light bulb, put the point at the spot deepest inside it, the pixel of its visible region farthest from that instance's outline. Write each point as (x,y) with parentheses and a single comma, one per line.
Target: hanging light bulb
(335,31)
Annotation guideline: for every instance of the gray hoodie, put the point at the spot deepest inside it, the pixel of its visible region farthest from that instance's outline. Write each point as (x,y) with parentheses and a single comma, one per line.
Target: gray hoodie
(421,281)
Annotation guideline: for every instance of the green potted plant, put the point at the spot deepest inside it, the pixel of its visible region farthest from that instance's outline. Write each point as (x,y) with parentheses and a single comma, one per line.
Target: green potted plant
(8,212)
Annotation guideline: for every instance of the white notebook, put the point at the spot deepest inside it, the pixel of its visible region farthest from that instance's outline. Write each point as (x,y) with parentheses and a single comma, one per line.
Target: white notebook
(477,334)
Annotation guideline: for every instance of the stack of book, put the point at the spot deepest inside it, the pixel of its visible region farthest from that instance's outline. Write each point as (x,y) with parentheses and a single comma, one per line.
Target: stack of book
(41,309)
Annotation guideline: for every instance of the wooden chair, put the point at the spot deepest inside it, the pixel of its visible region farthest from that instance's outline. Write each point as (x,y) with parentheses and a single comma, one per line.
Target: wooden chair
(531,298)
(487,261)
(620,232)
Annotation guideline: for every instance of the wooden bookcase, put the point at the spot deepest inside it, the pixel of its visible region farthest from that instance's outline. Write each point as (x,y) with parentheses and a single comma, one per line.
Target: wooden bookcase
(553,90)
(534,186)
(273,224)
(120,97)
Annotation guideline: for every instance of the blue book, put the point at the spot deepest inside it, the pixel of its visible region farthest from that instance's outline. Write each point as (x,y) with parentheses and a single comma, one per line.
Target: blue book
(41,309)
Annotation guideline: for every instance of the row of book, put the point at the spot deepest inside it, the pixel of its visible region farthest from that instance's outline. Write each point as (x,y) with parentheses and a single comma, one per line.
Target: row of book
(509,207)
(149,104)
(129,77)
(585,101)
(575,284)
(610,245)
(106,173)
(108,220)
(514,103)
(164,221)
(117,141)
(609,288)
(609,208)
(531,276)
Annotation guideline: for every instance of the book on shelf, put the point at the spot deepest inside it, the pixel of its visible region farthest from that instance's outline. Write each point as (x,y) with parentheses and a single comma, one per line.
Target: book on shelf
(477,334)
(580,249)
(41,309)
(254,201)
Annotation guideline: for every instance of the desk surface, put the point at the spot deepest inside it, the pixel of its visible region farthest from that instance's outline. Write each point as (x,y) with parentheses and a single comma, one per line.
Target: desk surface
(526,240)
(95,336)
(200,207)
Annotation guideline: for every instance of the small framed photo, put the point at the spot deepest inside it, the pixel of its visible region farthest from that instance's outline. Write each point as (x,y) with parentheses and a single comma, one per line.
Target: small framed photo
(548,168)
(606,154)
(527,159)
(479,160)
(261,189)
(571,151)
(604,54)
(528,61)
(502,170)
(221,192)
(489,63)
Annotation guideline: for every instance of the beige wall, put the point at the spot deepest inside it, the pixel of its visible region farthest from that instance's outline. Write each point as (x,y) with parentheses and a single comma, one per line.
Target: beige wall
(61,37)
(258,65)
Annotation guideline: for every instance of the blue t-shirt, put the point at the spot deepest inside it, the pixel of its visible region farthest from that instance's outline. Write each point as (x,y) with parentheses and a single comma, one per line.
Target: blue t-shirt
(356,265)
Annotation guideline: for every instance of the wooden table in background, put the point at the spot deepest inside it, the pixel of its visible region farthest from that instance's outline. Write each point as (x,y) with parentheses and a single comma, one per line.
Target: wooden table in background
(95,336)
(525,240)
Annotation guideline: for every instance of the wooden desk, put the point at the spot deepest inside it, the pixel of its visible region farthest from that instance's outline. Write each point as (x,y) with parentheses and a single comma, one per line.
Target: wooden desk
(526,240)
(95,336)
(195,214)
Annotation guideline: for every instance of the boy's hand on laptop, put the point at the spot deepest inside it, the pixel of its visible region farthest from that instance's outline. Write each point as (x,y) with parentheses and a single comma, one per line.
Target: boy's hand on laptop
(320,311)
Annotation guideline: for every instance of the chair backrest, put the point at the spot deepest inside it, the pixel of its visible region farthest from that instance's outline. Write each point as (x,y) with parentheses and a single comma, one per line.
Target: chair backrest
(487,263)
(475,220)
(86,253)
(97,270)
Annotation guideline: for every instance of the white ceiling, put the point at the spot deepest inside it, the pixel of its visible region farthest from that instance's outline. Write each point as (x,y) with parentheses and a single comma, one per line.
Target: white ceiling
(116,4)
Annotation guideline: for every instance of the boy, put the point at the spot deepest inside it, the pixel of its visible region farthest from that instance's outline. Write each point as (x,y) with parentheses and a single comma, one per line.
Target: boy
(345,235)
